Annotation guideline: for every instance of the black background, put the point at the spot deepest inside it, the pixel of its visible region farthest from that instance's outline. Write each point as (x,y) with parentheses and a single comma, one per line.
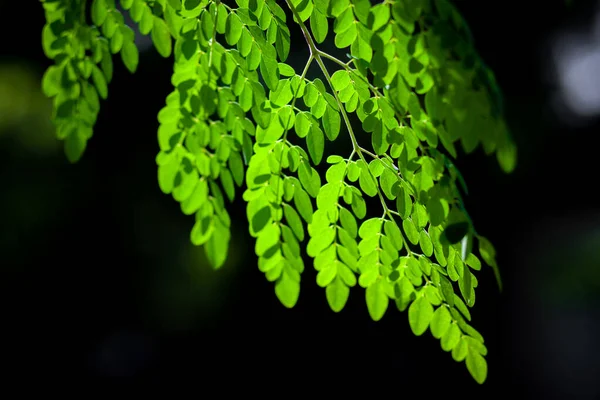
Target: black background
(100,280)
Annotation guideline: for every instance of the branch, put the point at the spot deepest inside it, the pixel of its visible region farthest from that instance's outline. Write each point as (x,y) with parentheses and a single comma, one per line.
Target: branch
(316,53)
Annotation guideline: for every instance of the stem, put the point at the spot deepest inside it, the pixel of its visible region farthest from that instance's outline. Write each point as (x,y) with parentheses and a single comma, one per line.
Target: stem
(374,89)
(316,53)
(368,152)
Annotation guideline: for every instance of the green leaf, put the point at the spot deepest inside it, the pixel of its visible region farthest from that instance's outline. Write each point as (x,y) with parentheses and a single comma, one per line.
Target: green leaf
(451,338)
(337,294)
(376,167)
(477,366)
(315,142)
(233,29)
(420,314)
(286,70)
(393,233)
(198,197)
(337,6)
(319,25)
(425,243)
(326,275)
(353,171)
(303,204)
(287,290)
(459,352)
(487,250)
(447,290)
(320,242)
(404,203)
(221,18)
(359,207)
(370,228)
(336,173)
(267,238)
(340,80)
(147,21)
(460,306)
(346,37)
(269,69)
(379,16)
(387,181)
(282,43)
(331,123)
(253,60)
(348,222)
(75,144)
(116,42)
(286,117)
(99,12)
(236,165)
(366,182)
(411,232)
(310,179)
(473,262)
(440,322)
(377,300)
(404,292)
(419,216)
(507,157)
(202,230)
(328,197)
(217,247)
(161,37)
(167,173)
(302,124)
(51,85)
(130,56)
(466,287)
(207,24)
(438,210)
(304,9)
(344,21)
(293,220)
(100,82)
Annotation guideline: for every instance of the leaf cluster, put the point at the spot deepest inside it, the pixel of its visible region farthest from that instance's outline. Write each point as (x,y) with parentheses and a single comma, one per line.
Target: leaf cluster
(242,121)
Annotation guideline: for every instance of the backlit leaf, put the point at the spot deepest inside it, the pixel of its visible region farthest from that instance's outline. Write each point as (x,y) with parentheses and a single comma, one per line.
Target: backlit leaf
(377,300)
(315,141)
(420,314)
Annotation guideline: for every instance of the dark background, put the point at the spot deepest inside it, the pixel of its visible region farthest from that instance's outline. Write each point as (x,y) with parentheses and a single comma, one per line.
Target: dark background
(99,278)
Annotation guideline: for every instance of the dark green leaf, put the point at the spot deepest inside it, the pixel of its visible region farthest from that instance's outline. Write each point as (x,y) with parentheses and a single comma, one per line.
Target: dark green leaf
(456,232)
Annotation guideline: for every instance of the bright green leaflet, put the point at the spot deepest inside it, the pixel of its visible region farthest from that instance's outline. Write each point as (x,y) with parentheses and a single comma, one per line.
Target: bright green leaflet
(239,116)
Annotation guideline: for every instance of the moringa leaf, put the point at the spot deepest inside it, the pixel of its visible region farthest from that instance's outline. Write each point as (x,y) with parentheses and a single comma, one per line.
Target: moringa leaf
(410,84)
